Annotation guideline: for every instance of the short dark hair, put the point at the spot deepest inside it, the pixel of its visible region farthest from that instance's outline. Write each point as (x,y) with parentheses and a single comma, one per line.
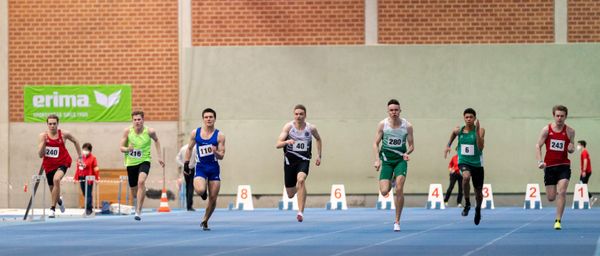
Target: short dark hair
(87,146)
(470,111)
(393,102)
(560,108)
(300,106)
(137,113)
(209,110)
(583,143)
(52,116)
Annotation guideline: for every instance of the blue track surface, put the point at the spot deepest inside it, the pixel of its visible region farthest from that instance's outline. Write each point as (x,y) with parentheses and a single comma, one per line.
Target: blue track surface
(503,231)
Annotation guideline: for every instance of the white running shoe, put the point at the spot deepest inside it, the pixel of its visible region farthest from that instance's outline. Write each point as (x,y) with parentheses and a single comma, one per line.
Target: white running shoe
(459,206)
(52,214)
(396,227)
(300,217)
(61,206)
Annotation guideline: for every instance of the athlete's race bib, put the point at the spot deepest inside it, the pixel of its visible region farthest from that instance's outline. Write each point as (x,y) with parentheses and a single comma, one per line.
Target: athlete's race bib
(467,149)
(300,146)
(205,150)
(135,153)
(557,145)
(52,152)
(394,142)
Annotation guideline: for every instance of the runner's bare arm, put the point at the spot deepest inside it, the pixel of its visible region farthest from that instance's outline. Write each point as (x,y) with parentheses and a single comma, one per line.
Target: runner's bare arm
(449,145)
(220,150)
(317,136)
(191,144)
(42,144)
(571,134)
(281,142)
(538,147)
(378,137)
(124,147)
(152,134)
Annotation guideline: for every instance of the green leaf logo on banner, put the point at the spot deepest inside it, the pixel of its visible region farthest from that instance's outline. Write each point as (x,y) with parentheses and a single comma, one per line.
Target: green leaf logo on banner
(78,103)
(107,101)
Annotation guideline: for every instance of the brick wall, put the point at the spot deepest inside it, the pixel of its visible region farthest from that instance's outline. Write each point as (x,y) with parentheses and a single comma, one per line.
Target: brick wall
(465,22)
(584,21)
(97,42)
(277,22)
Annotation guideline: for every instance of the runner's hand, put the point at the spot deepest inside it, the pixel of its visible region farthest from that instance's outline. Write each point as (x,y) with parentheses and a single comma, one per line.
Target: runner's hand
(541,165)
(377,164)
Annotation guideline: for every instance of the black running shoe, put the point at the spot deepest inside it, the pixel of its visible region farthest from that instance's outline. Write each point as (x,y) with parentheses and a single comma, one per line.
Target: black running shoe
(204,226)
(477,218)
(204,195)
(465,211)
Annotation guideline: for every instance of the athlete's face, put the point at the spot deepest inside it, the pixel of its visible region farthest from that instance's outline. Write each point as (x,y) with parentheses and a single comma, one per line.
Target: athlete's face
(469,119)
(209,119)
(299,115)
(394,110)
(138,121)
(560,117)
(52,125)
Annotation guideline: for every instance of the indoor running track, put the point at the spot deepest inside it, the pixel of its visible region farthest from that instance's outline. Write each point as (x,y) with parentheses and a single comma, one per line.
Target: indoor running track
(358,231)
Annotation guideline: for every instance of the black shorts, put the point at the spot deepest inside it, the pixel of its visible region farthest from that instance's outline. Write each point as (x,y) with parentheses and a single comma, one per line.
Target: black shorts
(50,174)
(291,171)
(476,174)
(585,179)
(555,173)
(133,172)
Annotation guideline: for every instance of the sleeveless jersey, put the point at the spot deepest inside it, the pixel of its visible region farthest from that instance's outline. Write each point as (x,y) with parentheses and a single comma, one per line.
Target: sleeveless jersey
(393,144)
(556,147)
(468,151)
(56,154)
(141,147)
(205,155)
(302,147)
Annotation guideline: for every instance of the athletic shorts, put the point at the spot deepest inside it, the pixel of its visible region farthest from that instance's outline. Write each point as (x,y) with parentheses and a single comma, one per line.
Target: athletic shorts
(555,173)
(477,174)
(133,172)
(208,171)
(291,170)
(391,169)
(50,174)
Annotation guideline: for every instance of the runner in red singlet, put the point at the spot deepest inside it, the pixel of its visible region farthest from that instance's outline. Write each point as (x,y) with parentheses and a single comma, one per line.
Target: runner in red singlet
(56,159)
(558,138)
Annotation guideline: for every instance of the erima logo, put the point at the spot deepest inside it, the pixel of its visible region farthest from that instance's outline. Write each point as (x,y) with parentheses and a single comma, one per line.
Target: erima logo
(58,101)
(107,101)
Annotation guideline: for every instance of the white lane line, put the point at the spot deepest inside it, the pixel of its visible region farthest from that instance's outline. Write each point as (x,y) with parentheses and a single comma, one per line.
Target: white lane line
(289,240)
(393,239)
(505,235)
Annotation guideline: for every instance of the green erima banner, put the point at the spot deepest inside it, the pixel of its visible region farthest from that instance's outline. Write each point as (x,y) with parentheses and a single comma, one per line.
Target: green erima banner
(78,103)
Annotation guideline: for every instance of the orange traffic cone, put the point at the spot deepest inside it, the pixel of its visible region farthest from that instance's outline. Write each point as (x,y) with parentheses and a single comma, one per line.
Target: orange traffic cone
(164,202)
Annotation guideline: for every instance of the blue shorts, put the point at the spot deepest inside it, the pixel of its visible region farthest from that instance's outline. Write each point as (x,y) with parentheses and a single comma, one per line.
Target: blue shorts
(208,171)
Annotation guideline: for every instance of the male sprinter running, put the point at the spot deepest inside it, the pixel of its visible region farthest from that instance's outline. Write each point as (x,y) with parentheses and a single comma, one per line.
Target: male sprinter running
(56,159)
(136,144)
(210,147)
(470,159)
(296,141)
(392,157)
(559,139)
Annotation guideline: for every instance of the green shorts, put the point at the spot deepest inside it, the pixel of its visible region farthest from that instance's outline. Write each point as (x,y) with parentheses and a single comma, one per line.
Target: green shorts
(391,169)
